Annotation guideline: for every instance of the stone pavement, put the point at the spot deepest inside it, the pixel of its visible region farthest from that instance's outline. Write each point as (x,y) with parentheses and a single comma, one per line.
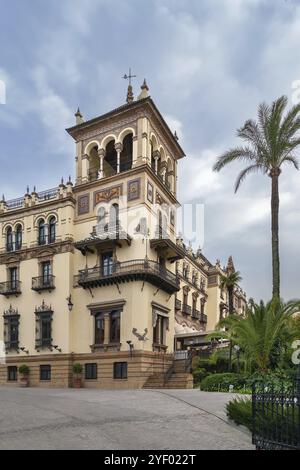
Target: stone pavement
(38,418)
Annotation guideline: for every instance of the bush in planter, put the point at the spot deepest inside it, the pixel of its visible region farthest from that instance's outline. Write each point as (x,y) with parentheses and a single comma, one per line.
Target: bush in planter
(77,371)
(221,383)
(24,371)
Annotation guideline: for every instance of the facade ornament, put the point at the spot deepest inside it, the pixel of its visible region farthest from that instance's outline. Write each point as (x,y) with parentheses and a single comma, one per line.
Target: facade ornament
(78,116)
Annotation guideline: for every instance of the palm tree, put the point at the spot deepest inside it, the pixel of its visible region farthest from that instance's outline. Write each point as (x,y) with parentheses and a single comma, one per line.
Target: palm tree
(229,282)
(271,141)
(263,331)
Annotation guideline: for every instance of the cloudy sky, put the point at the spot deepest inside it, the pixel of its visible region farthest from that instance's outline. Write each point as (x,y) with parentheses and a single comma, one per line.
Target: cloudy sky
(208,64)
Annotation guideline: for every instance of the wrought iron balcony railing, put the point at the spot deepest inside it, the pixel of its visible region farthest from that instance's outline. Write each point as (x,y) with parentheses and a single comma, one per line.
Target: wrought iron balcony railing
(43,343)
(178,304)
(196,313)
(140,269)
(10,288)
(43,283)
(187,309)
(11,345)
(203,318)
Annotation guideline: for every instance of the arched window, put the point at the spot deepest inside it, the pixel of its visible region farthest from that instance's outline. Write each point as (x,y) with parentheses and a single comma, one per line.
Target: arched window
(160,224)
(110,160)
(9,239)
(94,164)
(126,154)
(18,237)
(42,232)
(52,230)
(101,220)
(114,217)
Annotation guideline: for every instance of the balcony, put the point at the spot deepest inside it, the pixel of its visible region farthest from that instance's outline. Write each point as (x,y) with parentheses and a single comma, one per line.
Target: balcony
(177,304)
(134,270)
(43,283)
(10,288)
(187,309)
(196,313)
(11,345)
(203,318)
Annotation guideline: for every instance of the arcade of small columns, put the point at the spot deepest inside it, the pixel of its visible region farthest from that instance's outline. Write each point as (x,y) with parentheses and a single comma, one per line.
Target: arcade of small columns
(160,163)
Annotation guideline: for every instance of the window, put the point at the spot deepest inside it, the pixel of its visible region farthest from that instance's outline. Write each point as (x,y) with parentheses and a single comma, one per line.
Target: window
(11,329)
(46,330)
(12,373)
(159,330)
(52,230)
(45,372)
(46,272)
(107,263)
(91,371)
(19,237)
(42,233)
(13,278)
(126,154)
(120,370)
(115,327)
(43,327)
(99,328)
(114,217)
(9,239)
(101,220)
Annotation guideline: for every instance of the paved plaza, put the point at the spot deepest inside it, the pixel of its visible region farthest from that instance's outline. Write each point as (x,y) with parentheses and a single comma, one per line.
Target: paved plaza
(37,418)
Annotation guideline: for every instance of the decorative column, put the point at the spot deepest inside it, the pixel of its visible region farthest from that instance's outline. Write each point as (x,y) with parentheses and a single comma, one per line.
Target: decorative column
(84,168)
(101,155)
(118,148)
(106,328)
(156,156)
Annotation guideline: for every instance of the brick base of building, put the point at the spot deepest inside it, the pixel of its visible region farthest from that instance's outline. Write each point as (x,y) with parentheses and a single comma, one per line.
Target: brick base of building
(140,366)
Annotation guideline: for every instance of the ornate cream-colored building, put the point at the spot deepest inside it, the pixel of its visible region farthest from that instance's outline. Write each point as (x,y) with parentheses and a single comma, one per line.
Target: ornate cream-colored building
(93,272)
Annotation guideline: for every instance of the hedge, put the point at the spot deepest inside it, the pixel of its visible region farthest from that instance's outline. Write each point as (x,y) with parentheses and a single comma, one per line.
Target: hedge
(222,382)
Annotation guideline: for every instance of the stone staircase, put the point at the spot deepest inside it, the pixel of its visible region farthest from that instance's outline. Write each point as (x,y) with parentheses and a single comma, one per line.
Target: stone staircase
(175,377)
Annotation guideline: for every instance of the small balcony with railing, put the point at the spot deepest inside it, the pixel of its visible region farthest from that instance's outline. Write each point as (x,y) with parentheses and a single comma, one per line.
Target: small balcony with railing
(186,309)
(203,318)
(196,313)
(177,304)
(10,288)
(42,283)
(133,270)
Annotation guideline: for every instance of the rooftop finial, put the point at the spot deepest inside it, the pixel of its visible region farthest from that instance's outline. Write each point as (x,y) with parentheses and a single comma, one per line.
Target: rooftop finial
(144,92)
(27,190)
(128,77)
(176,136)
(79,118)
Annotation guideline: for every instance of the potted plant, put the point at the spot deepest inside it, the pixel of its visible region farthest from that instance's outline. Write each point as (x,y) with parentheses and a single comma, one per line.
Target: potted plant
(24,371)
(77,379)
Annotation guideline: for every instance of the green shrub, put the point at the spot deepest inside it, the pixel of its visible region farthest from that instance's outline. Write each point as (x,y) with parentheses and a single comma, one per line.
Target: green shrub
(199,375)
(24,369)
(239,410)
(77,368)
(221,383)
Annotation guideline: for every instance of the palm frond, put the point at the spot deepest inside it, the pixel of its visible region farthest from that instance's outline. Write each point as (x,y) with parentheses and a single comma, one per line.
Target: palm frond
(244,173)
(238,153)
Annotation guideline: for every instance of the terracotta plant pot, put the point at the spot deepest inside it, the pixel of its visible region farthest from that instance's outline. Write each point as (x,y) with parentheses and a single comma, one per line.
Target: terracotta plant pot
(24,381)
(77,382)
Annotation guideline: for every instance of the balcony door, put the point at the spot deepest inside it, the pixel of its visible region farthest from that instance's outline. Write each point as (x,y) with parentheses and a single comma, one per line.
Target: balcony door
(13,278)
(46,273)
(107,262)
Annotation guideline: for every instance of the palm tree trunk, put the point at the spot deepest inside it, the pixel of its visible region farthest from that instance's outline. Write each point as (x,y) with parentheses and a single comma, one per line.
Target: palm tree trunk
(275,231)
(230,300)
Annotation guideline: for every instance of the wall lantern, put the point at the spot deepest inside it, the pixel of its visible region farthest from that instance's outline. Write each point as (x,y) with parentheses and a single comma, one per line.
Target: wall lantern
(70,303)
